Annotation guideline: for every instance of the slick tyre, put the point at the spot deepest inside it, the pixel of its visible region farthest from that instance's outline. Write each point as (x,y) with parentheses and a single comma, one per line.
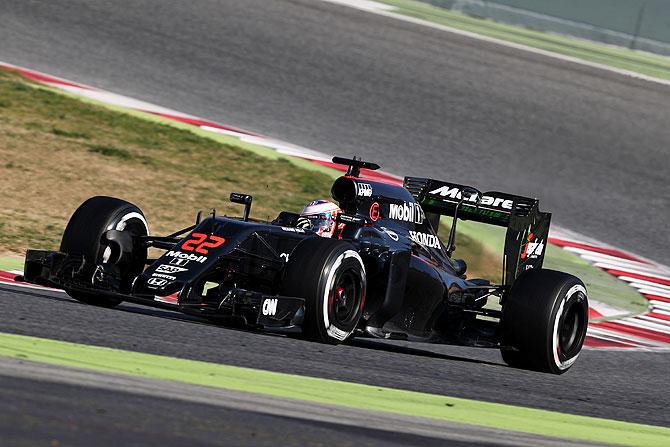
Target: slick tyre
(330,275)
(544,321)
(84,236)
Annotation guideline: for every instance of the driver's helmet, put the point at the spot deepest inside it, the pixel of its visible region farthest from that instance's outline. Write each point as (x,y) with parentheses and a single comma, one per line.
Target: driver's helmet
(320,217)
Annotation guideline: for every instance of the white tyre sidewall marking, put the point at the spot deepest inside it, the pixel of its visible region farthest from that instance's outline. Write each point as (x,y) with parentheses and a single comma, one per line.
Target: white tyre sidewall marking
(557,361)
(331,330)
(120,226)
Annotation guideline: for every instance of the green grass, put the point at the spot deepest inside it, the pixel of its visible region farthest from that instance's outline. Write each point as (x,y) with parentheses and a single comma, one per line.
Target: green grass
(483,259)
(57,151)
(7,263)
(61,149)
(64,133)
(619,57)
(333,392)
(262,151)
(54,161)
(110,151)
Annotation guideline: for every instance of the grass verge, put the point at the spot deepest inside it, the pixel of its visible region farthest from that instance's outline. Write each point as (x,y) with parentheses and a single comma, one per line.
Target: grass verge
(11,263)
(333,392)
(59,150)
(638,61)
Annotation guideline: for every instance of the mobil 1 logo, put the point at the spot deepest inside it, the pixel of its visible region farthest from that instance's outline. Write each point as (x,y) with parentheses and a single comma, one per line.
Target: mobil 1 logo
(407,212)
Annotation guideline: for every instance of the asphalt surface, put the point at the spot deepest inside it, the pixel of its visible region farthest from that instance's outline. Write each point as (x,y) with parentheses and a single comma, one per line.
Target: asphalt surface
(91,406)
(41,412)
(592,145)
(630,386)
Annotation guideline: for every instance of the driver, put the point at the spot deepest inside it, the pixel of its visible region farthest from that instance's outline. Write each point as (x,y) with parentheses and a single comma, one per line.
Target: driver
(320,217)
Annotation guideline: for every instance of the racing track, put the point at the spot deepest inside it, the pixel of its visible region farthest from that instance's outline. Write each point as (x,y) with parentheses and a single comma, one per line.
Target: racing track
(630,386)
(592,145)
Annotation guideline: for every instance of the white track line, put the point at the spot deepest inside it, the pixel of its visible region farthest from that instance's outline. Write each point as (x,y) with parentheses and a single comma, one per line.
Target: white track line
(642,284)
(654,275)
(602,257)
(279,146)
(651,322)
(645,289)
(661,324)
(611,337)
(365,5)
(619,337)
(616,263)
(626,266)
(120,100)
(611,262)
(642,325)
(630,345)
(394,15)
(660,305)
(648,291)
(628,338)
(658,321)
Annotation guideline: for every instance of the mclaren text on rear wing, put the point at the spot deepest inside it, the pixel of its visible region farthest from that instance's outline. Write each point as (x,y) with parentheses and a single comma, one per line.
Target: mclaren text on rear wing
(527,227)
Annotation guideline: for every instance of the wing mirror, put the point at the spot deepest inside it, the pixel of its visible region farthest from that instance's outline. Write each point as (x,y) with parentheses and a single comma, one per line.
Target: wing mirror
(242,199)
(459,266)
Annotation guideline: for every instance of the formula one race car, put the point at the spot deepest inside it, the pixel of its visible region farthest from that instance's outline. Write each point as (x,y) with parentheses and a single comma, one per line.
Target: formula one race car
(385,273)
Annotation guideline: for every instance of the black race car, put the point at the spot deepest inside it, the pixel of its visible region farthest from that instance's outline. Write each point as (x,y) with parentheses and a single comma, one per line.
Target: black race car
(385,273)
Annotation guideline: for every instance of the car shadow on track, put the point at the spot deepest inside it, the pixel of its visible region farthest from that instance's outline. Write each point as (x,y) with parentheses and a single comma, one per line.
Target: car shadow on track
(128,307)
(378,345)
(124,307)
(131,308)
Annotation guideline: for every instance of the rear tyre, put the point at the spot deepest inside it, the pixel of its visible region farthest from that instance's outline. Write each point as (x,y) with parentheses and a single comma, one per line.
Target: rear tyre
(330,275)
(544,321)
(84,236)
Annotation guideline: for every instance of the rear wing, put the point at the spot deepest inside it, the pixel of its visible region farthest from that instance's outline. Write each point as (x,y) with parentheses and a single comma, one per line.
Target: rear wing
(527,227)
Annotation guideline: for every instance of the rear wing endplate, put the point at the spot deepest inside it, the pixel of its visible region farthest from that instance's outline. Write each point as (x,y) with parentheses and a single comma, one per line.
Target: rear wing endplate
(527,227)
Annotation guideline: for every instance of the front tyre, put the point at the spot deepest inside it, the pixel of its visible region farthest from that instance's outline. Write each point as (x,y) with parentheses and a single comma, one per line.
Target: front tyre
(83,236)
(330,275)
(544,321)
